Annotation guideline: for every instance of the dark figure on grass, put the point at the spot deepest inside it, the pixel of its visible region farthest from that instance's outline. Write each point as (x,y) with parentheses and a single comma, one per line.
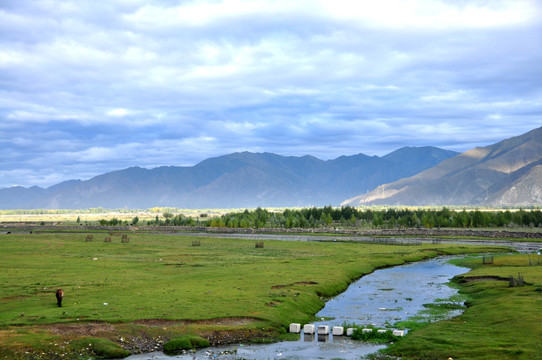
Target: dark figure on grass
(59,296)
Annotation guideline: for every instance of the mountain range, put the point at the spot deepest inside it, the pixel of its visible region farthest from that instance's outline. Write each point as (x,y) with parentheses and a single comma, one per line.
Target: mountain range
(238,180)
(508,173)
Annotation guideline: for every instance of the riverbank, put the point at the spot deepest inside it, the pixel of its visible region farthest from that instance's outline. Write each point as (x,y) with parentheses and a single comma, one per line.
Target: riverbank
(532,234)
(154,287)
(500,322)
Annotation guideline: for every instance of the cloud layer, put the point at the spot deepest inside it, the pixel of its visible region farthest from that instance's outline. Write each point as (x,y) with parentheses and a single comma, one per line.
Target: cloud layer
(91,87)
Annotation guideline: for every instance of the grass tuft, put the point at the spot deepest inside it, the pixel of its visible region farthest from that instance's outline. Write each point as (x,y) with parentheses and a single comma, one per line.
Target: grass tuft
(185,342)
(101,348)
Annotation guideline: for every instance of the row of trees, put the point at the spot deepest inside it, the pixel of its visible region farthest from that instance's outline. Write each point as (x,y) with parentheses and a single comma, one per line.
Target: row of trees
(347,216)
(116,222)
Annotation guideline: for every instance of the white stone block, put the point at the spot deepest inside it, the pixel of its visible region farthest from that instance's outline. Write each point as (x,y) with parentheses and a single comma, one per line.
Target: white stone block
(295,328)
(308,329)
(398,333)
(323,329)
(381,331)
(363,331)
(349,331)
(338,331)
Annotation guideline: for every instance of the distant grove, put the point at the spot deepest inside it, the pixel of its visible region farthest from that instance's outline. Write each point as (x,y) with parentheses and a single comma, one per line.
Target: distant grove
(347,216)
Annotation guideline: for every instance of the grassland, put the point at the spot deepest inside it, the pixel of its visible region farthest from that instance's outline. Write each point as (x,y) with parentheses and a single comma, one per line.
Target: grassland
(500,322)
(138,294)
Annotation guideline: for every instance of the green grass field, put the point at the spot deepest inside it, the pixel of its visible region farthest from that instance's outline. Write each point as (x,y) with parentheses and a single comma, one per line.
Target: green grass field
(223,285)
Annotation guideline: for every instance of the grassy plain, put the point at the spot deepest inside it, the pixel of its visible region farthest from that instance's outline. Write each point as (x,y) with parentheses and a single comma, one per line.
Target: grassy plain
(500,322)
(157,287)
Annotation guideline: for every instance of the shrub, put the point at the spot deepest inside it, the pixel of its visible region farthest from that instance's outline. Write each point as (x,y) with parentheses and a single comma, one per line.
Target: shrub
(185,342)
(259,244)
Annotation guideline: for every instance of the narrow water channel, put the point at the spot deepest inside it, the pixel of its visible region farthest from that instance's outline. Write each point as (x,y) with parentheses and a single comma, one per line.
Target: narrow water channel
(381,299)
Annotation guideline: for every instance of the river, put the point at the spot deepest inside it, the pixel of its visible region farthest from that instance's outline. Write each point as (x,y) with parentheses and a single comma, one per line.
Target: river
(521,246)
(381,298)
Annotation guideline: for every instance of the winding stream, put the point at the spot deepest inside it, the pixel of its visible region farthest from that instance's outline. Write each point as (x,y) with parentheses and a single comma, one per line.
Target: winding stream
(381,299)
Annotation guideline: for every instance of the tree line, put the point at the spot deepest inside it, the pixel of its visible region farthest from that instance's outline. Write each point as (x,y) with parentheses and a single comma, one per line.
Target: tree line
(350,217)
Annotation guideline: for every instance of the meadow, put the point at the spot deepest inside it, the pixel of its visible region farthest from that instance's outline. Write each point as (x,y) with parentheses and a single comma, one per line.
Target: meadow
(156,287)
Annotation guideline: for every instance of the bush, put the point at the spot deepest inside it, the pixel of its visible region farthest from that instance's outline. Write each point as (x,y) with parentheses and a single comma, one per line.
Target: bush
(185,342)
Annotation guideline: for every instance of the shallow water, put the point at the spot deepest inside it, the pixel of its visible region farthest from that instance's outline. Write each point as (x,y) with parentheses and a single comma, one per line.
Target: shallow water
(381,299)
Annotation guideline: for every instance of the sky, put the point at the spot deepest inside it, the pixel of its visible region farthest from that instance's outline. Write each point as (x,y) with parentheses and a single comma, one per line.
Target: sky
(89,87)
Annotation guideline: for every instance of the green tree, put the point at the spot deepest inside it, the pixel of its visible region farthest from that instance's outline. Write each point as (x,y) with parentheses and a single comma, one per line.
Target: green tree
(326,218)
(377,220)
(428,220)
(478,219)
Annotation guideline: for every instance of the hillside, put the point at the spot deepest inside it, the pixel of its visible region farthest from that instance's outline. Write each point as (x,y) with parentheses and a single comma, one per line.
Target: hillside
(508,173)
(236,180)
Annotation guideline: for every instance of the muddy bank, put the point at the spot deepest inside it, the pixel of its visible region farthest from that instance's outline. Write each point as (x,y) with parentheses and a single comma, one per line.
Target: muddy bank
(412,232)
(144,336)
(421,232)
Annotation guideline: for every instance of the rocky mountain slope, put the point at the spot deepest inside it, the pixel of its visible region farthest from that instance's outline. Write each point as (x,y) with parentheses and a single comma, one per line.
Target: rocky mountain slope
(508,173)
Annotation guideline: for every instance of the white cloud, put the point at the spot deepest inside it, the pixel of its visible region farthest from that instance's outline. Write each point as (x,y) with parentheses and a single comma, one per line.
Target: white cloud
(385,13)
(495,116)
(455,95)
(42,114)
(100,153)
(442,15)
(119,112)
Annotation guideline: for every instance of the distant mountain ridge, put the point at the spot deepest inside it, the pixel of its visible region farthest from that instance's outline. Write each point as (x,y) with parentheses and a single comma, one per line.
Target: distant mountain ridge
(508,173)
(238,180)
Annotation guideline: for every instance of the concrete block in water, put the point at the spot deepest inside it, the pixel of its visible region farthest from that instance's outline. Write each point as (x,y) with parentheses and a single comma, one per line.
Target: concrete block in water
(295,328)
(308,329)
(363,331)
(337,331)
(349,331)
(323,329)
(398,333)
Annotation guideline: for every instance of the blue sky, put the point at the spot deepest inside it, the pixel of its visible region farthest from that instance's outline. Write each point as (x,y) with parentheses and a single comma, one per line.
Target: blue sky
(88,87)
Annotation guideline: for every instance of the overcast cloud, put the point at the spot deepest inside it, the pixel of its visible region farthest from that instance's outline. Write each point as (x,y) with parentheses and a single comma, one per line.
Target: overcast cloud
(88,87)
